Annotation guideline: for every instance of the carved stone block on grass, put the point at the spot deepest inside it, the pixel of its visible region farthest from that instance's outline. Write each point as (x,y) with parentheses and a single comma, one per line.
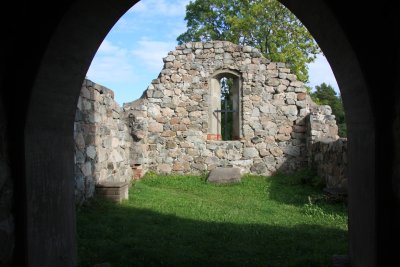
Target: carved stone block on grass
(114,191)
(224,175)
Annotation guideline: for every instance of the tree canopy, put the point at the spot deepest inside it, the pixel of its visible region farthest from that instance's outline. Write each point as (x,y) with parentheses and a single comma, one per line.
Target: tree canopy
(264,24)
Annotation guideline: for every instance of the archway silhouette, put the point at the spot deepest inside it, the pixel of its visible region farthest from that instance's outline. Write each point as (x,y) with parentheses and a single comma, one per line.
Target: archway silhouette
(54,66)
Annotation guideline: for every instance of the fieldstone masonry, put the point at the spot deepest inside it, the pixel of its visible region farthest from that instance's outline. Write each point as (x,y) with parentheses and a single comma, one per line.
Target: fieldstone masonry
(321,125)
(327,153)
(103,141)
(330,161)
(176,108)
(173,128)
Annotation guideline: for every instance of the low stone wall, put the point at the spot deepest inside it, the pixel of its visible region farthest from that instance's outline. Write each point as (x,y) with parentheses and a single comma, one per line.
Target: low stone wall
(103,143)
(330,161)
(321,124)
(327,153)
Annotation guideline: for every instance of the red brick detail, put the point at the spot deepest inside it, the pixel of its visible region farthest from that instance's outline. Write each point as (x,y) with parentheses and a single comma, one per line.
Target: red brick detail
(215,137)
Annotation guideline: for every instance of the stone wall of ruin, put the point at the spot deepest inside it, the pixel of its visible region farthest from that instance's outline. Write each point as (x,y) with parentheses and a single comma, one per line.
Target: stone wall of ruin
(103,143)
(321,124)
(168,129)
(329,159)
(327,153)
(176,110)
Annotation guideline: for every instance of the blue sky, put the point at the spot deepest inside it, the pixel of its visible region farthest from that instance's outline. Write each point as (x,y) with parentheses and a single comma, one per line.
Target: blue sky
(130,56)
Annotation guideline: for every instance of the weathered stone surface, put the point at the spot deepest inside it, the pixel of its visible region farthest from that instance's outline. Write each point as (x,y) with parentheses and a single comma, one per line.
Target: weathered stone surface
(285,129)
(256,140)
(290,110)
(91,152)
(86,168)
(250,152)
(164,168)
(301,96)
(292,150)
(80,141)
(276,151)
(259,168)
(155,127)
(224,175)
(115,191)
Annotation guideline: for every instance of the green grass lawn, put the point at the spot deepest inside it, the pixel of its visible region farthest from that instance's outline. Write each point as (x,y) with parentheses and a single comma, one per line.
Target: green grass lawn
(184,221)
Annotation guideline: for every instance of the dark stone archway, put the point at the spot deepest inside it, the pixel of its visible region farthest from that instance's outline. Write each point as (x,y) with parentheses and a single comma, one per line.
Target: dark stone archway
(326,29)
(45,55)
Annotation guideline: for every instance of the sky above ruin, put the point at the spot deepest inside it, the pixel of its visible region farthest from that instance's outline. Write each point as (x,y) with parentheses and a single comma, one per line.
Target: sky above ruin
(130,56)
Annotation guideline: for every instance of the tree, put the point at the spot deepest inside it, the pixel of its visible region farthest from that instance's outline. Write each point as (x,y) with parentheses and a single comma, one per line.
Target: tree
(325,95)
(264,24)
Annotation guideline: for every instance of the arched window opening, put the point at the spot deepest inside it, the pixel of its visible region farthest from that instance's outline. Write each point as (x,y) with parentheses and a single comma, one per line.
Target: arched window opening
(225,107)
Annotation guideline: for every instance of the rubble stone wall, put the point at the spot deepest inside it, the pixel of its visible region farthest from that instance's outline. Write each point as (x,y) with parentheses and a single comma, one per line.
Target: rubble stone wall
(321,124)
(172,127)
(103,143)
(329,158)
(176,110)
(327,153)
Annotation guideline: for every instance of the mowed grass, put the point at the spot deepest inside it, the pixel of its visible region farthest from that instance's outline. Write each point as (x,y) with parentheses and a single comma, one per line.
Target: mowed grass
(184,221)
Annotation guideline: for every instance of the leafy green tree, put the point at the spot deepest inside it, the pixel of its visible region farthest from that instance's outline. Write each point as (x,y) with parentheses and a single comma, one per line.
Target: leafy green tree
(325,95)
(264,24)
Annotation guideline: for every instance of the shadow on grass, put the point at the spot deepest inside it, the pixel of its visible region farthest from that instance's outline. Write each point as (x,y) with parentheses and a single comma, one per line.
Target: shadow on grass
(302,188)
(126,236)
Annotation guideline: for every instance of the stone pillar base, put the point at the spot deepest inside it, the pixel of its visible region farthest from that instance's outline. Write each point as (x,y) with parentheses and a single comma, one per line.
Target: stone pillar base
(115,191)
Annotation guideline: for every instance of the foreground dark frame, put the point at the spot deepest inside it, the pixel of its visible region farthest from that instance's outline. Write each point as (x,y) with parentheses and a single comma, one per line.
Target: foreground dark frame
(44,58)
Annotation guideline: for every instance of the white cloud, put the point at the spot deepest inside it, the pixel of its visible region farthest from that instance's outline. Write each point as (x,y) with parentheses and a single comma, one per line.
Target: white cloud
(320,72)
(150,53)
(111,64)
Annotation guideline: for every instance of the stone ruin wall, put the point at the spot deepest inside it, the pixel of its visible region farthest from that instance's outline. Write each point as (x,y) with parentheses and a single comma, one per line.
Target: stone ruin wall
(327,153)
(330,161)
(167,129)
(176,109)
(103,144)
